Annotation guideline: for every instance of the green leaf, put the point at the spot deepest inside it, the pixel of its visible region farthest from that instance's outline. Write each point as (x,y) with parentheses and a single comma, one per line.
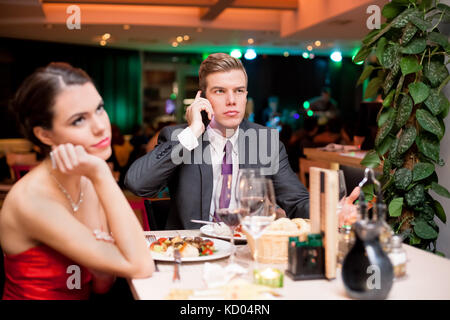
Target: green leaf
(440,213)
(362,54)
(429,145)
(372,87)
(365,74)
(387,167)
(388,82)
(440,190)
(445,110)
(402,178)
(404,111)
(425,5)
(371,160)
(383,131)
(418,45)
(388,100)
(389,56)
(368,191)
(381,46)
(403,18)
(422,170)
(419,91)
(385,145)
(409,65)
(415,196)
(395,207)
(436,72)
(429,122)
(426,212)
(438,38)
(370,35)
(436,102)
(413,239)
(408,33)
(424,230)
(406,139)
(391,10)
(420,23)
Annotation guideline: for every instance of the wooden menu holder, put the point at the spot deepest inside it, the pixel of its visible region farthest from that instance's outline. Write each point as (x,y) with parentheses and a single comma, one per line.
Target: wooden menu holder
(324,190)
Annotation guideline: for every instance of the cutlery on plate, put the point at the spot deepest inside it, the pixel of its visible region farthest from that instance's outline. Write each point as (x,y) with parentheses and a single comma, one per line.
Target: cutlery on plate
(203,222)
(177,265)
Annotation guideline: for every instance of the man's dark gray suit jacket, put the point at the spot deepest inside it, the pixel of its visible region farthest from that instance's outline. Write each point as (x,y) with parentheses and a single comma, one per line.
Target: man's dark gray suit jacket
(189,176)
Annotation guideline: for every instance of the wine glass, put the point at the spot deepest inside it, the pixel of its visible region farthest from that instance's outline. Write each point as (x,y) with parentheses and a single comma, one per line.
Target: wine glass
(232,218)
(342,192)
(243,175)
(253,196)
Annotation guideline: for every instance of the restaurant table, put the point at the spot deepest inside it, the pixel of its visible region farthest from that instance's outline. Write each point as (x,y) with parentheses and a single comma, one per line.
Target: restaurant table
(428,277)
(337,158)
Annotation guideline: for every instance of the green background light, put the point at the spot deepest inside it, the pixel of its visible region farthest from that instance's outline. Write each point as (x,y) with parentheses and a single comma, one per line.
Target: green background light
(310,113)
(306,104)
(236,53)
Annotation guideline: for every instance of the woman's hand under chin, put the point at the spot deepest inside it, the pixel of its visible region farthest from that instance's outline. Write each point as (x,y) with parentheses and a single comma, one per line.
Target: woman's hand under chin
(74,160)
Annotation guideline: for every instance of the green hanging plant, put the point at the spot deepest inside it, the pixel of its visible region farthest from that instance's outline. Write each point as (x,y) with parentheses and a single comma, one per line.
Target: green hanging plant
(411,72)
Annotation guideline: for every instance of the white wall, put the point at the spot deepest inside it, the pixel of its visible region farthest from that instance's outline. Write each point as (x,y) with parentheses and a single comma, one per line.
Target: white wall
(443,243)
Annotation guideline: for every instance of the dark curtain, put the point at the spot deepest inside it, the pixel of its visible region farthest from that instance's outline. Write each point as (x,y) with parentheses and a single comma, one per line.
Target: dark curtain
(116,73)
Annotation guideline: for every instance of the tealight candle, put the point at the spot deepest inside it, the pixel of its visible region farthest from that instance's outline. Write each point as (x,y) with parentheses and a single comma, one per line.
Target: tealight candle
(269,277)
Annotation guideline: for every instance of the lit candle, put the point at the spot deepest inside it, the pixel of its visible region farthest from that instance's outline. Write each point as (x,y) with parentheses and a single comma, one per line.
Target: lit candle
(269,277)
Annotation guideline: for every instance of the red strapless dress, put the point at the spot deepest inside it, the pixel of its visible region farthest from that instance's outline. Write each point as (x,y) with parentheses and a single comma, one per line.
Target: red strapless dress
(41,273)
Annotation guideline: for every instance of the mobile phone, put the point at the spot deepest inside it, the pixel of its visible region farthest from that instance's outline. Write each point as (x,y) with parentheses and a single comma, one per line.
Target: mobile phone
(204,114)
(205,118)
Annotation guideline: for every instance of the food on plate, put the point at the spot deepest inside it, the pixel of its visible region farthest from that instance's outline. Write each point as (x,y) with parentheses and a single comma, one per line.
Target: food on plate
(188,246)
(221,229)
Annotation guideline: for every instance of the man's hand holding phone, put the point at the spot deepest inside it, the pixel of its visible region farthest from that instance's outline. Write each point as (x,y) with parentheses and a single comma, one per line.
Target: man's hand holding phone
(194,114)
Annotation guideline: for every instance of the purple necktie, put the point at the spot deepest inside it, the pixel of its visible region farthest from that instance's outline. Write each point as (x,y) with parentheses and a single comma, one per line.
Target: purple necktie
(227,172)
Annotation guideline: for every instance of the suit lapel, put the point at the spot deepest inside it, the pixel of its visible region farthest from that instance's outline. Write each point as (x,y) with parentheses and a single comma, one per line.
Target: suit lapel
(206,176)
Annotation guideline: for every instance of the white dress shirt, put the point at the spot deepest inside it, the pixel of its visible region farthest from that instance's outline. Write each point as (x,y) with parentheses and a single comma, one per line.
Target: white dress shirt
(217,143)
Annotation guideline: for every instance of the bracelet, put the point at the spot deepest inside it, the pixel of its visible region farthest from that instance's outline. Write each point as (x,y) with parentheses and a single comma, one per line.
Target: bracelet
(101,235)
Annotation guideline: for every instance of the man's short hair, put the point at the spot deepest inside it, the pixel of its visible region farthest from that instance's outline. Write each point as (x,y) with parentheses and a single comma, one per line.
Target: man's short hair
(218,62)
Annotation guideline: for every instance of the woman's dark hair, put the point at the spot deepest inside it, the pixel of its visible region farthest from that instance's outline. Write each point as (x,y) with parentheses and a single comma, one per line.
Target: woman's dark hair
(35,98)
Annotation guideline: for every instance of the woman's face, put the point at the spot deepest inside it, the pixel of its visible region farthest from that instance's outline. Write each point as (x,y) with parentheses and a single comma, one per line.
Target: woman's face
(80,119)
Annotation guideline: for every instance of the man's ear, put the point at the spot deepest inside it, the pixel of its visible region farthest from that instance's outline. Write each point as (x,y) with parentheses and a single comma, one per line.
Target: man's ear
(44,135)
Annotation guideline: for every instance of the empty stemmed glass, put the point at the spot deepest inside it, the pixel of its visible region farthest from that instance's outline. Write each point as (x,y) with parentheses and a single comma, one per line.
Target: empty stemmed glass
(253,197)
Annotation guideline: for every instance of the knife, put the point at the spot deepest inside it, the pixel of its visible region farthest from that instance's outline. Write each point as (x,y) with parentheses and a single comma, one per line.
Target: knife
(176,270)
(203,222)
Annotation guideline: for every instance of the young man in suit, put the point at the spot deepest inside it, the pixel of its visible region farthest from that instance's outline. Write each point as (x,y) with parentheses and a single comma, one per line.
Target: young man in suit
(192,159)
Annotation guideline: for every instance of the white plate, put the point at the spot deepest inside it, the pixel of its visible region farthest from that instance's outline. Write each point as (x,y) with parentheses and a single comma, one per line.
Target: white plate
(223,249)
(208,230)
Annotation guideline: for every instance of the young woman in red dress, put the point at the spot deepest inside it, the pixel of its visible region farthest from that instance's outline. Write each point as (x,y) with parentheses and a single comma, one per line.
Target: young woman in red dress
(66,229)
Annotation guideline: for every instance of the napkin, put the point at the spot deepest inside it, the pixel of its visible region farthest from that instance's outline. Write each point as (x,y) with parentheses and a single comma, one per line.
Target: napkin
(215,275)
(339,147)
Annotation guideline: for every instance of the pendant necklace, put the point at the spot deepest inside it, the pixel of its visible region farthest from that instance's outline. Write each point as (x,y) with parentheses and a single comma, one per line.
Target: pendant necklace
(75,206)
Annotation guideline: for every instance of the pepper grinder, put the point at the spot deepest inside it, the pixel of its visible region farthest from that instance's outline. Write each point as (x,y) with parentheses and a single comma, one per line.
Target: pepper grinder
(367,271)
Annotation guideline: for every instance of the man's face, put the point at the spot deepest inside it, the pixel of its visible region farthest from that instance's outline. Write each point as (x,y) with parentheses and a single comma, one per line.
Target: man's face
(227,93)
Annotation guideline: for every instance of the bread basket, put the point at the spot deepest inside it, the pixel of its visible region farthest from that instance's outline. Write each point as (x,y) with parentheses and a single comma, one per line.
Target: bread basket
(273,244)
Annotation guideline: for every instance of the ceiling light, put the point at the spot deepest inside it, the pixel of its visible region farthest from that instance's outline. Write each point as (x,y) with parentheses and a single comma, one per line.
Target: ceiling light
(126,27)
(179,38)
(186,37)
(317,43)
(236,53)
(286,54)
(336,56)
(309,48)
(250,41)
(305,55)
(174,44)
(103,43)
(250,54)
(311,56)
(106,36)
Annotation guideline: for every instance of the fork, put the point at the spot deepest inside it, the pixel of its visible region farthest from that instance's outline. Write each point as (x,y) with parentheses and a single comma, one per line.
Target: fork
(152,238)
(176,270)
